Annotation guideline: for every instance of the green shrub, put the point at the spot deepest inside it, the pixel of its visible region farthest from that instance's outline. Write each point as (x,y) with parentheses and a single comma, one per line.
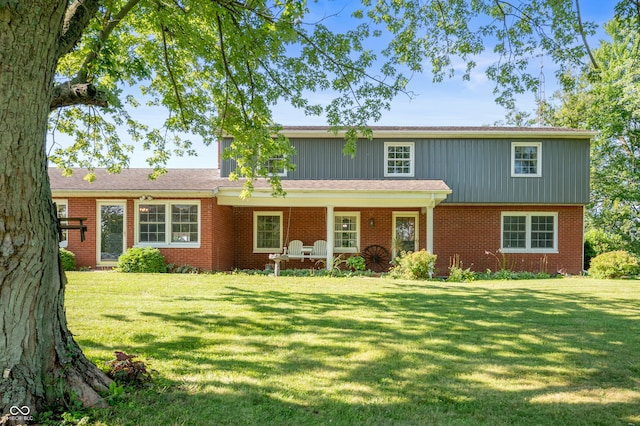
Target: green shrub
(504,274)
(142,259)
(68,260)
(597,241)
(614,264)
(357,263)
(419,265)
(459,275)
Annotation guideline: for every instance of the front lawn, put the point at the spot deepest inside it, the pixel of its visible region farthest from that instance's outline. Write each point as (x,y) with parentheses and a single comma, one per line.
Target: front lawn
(244,350)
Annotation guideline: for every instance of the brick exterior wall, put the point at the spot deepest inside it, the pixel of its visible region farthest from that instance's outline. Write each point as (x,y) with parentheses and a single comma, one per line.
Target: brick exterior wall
(85,251)
(464,230)
(467,231)
(223,238)
(202,257)
(471,231)
(309,225)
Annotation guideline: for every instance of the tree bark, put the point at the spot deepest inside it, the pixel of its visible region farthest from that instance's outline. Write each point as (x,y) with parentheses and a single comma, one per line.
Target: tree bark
(40,363)
(68,94)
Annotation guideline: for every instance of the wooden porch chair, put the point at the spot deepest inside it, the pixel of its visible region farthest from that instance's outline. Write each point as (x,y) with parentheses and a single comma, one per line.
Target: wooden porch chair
(294,251)
(319,250)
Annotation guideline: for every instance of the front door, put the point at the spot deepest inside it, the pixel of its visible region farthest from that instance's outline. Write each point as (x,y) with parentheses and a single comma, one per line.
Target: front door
(112,231)
(405,232)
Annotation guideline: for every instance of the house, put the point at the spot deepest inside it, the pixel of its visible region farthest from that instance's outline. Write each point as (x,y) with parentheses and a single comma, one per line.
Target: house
(485,195)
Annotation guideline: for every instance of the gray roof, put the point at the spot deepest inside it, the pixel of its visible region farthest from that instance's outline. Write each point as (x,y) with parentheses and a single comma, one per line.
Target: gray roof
(136,179)
(347,185)
(449,129)
(445,131)
(198,180)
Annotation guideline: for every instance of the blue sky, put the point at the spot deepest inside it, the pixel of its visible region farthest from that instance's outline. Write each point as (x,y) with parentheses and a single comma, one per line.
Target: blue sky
(450,103)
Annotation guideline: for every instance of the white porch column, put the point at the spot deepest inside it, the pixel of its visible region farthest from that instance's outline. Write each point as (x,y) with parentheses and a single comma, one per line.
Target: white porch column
(430,229)
(330,236)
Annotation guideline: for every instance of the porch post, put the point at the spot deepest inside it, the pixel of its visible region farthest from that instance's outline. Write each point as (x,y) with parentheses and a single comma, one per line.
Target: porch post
(430,229)
(330,236)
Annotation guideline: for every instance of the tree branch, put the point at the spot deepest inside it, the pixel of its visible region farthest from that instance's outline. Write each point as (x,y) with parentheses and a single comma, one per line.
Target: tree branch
(227,68)
(163,29)
(68,94)
(104,35)
(584,37)
(76,19)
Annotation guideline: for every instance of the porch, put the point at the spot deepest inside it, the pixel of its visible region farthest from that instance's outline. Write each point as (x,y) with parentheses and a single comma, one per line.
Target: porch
(371,218)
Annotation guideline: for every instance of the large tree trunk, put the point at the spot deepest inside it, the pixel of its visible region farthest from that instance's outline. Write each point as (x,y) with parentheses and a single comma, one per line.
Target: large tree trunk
(40,363)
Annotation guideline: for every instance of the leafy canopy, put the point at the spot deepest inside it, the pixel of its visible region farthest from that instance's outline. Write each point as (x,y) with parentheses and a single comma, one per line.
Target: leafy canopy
(605,98)
(220,67)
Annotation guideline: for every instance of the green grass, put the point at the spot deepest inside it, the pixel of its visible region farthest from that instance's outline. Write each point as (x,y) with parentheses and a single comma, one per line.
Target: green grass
(243,350)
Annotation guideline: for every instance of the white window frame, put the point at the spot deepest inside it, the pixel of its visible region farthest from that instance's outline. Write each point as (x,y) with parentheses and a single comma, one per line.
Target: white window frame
(528,248)
(257,249)
(412,147)
(65,232)
(355,249)
(282,173)
(167,242)
(538,146)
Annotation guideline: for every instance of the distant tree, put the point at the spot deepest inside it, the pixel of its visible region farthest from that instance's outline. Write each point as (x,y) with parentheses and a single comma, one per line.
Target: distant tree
(219,66)
(604,97)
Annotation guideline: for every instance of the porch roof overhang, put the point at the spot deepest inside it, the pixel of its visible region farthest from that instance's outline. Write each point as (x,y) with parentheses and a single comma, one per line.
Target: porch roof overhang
(338,193)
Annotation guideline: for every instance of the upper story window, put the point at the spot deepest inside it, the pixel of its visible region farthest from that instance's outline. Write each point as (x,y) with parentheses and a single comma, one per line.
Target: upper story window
(63,211)
(168,223)
(267,232)
(346,232)
(526,159)
(275,166)
(529,232)
(399,159)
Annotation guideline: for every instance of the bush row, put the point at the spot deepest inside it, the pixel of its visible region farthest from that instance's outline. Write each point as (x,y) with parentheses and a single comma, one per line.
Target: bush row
(418,265)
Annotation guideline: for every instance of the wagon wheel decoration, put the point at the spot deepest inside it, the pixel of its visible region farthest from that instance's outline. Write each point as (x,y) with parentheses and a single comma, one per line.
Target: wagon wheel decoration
(376,257)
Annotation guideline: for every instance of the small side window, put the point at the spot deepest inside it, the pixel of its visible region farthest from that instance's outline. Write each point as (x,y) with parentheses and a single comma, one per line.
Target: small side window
(63,211)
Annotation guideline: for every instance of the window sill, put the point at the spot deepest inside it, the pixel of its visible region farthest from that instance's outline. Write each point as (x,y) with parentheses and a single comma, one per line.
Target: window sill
(529,251)
(172,246)
(345,250)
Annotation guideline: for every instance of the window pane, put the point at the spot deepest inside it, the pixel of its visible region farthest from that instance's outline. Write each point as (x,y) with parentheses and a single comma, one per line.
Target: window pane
(526,160)
(275,166)
(184,223)
(542,231)
(345,232)
(62,212)
(268,232)
(405,234)
(514,232)
(152,223)
(111,231)
(398,159)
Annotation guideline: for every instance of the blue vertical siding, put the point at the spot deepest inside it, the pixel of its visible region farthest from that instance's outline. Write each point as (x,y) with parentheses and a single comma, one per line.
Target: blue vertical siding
(477,170)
